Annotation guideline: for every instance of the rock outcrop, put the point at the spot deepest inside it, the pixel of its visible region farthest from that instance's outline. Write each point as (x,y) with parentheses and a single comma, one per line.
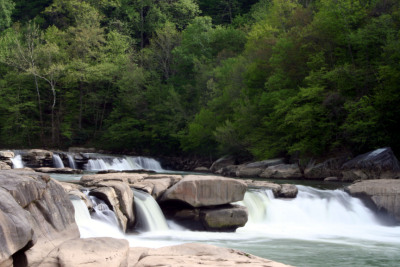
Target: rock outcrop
(198,191)
(383,194)
(286,191)
(41,212)
(224,219)
(222,162)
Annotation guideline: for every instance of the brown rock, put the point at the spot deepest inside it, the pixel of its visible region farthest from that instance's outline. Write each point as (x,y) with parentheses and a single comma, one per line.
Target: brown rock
(130,178)
(58,170)
(4,166)
(286,191)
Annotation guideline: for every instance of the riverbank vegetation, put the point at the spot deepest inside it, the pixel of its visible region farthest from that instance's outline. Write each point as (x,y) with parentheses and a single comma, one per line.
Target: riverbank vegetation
(260,78)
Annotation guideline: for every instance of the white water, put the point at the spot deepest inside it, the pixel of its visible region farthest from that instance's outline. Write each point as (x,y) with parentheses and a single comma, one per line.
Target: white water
(318,228)
(103,213)
(71,161)
(148,213)
(57,161)
(123,163)
(17,162)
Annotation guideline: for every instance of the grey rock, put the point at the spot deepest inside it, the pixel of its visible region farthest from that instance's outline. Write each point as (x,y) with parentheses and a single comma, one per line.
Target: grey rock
(286,191)
(222,162)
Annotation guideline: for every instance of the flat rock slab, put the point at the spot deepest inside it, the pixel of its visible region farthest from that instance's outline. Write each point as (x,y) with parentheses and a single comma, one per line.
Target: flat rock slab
(90,252)
(58,170)
(198,191)
(384,194)
(203,255)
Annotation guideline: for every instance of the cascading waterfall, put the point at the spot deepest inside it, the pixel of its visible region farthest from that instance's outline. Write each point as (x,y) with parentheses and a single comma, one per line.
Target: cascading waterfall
(102,163)
(17,162)
(102,212)
(149,214)
(71,161)
(58,163)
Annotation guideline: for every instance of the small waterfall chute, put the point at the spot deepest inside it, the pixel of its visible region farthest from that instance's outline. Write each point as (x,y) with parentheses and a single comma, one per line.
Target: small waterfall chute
(17,162)
(99,162)
(149,214)
(71,161)
(102,212)
(58,163)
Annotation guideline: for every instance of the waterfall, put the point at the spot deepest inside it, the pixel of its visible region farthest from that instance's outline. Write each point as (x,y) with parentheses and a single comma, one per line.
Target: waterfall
(149,214)
(103,213)
(71,161)
(17,162)
(122,163)
(93,226)
(57,161)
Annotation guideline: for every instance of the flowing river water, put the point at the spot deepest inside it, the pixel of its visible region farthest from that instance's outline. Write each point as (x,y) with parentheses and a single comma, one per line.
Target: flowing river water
(317,228)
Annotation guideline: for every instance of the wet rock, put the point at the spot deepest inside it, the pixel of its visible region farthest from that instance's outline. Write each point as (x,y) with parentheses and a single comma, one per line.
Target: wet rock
(282,171)
(224,218)
(229,171)
(200,191)
(378,164)
(328,168)
(201,255)
(261,184)
(384,194)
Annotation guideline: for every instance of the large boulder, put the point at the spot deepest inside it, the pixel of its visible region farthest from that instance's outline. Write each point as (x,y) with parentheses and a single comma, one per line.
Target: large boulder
(45,204)
(198,191)
(201,255)
(130,178)
(378,164)
(383,194)
(225,218)
(282,171)
(6,155)
(89,252)
(328,168)
(36,158)
(222,162)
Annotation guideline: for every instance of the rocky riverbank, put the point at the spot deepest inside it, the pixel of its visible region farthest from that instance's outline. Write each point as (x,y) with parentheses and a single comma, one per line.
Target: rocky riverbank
(37,227)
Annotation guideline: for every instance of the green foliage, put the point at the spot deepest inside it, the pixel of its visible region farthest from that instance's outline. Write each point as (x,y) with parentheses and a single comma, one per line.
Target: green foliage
(6,10)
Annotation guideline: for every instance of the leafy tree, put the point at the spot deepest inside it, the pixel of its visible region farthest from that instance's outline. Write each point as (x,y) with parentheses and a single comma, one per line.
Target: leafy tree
(6,9)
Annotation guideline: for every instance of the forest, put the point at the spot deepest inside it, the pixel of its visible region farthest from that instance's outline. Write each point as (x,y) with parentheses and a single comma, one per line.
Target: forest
(255,78)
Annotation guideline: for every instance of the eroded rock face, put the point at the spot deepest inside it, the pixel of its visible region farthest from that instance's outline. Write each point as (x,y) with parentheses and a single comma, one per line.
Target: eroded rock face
(90,252)
(200,255)
(282,171)
(35,158)
(198,191)
(4,166)
(42,202)
(383,193)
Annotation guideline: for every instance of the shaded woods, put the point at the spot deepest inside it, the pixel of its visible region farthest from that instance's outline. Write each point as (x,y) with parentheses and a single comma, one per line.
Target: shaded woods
(256,78)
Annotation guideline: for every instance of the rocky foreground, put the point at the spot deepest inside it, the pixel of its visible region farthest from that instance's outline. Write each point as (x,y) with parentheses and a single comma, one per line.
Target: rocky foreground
(37,228)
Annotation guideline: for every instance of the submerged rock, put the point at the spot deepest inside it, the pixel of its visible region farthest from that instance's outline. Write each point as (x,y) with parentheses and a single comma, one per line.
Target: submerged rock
(383,194)
(198,191)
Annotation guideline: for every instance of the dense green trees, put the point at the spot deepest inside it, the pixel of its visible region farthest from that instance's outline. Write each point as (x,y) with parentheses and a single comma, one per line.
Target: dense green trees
(261,78)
